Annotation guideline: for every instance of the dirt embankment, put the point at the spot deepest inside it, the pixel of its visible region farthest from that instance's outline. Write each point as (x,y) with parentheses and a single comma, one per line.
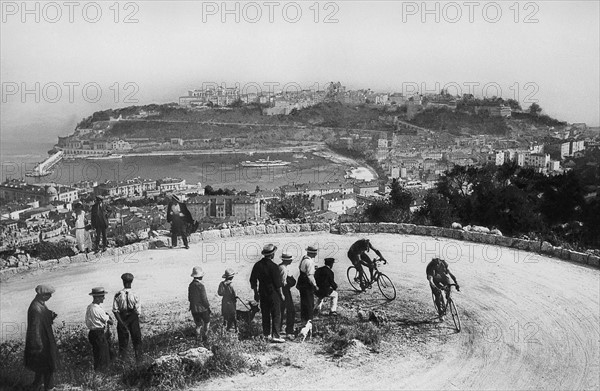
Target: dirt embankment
(529,322)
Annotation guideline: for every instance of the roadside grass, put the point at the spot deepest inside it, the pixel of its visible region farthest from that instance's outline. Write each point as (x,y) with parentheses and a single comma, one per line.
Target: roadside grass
(338,332)
(232,353)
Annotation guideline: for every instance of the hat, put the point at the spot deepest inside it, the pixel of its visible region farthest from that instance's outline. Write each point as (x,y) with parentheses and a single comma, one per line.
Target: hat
(127,277)
(329,261)
(98,291)
(175,198)
(269,249)
(44,289)
(285,257)
(228,273)
(311,250)
(197,272)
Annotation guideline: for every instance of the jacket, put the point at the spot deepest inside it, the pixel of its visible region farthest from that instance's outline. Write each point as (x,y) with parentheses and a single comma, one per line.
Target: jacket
(179,221)
(265,273)
(100,215)
(325,281)
(41,352)
(197,297)
(228,303)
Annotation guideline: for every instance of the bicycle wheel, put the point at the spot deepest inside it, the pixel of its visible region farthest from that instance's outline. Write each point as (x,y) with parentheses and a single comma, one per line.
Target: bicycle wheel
(354,278)
(386,286)
(437,310)
(455,316)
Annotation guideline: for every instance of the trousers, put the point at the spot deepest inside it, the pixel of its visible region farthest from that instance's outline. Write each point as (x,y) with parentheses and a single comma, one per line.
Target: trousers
(270,305)
(287,309)
(100,349)
(129,327)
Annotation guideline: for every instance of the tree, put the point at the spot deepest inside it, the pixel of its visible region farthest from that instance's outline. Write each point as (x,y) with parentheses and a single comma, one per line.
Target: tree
(436,210)
(292,207)
(399,197)
(535,109)
(514,105)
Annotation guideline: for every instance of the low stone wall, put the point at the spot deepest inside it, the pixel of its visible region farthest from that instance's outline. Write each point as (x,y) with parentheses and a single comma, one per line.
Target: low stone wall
(544,248)
(27,264)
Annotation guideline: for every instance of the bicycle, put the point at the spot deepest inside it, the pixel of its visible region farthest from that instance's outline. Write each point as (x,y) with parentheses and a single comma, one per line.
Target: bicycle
(449,303)
(360,282)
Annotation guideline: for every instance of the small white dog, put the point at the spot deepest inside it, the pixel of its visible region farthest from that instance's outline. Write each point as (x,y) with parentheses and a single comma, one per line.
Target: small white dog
(306,331)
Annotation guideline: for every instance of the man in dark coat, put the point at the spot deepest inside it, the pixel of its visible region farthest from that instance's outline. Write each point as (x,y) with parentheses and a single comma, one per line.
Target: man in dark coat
(41,352)
(100,221)
(266,282)
(326,286)
(179,216)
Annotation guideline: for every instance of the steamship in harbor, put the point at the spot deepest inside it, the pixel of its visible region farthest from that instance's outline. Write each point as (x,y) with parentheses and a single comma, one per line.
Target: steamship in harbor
(264,163)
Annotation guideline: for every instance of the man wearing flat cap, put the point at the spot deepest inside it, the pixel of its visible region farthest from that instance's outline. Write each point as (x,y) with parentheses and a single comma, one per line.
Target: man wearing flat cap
(327,287)
(100,215)
(97,320)
(127,309)
(307,284)
(179,216)
(265,280)
(41,352)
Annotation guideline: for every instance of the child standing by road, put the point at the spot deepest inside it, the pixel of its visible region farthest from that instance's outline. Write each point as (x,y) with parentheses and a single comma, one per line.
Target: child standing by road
(228,303)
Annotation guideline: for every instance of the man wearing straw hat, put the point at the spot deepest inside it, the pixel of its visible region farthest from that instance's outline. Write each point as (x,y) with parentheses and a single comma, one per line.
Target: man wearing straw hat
(287,306)
(266,283)
(199,305)
(97,320)
(307,284)
(41,352)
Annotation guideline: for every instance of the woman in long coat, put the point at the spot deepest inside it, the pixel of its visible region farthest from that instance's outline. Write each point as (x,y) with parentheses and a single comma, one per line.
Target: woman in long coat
(41,352)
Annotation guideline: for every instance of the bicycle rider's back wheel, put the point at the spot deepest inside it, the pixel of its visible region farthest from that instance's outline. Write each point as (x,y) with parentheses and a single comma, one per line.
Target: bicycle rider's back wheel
(455,316)
(354,278)
(386,286)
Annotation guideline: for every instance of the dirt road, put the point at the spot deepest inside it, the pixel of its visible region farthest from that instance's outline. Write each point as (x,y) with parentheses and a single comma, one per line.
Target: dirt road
(529,322)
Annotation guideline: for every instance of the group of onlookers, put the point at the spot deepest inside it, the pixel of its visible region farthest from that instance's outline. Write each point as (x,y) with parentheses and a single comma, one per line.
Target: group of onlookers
(271,283)
(40,345)
(182,223)
(99,222)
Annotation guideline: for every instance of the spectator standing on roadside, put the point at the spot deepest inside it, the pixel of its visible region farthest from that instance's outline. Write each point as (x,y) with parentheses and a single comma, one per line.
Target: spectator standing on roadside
(41,352)
(179,216)
(127,309)
(82,236)
(100,215)
(266,283)
(227,291)
(199,305)
(97,321)
(287,306)
(307,284)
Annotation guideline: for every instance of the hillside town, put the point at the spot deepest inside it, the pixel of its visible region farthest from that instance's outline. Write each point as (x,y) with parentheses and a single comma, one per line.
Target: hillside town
(414,155)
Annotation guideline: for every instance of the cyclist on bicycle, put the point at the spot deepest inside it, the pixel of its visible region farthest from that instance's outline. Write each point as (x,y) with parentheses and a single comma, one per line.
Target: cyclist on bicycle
(358,256)
(438,275)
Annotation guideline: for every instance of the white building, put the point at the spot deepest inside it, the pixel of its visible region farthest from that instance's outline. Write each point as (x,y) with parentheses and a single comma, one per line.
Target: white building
(334,202)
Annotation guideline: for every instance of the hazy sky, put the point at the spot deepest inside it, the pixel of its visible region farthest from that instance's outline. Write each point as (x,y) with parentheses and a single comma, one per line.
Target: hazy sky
(173,46)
